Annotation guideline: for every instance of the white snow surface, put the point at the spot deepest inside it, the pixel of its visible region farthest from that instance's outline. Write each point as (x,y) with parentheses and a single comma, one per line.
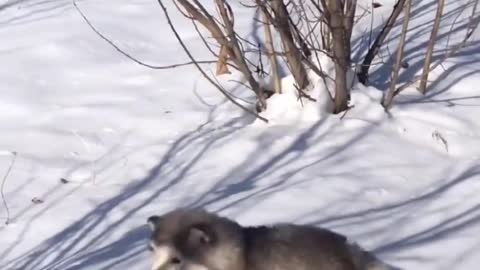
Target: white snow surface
(132,141)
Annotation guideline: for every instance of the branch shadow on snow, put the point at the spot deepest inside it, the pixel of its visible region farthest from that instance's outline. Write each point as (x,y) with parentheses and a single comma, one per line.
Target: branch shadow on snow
(398,217)
(31,10)
(89,243)
(284,160)
(80,241)
(92,242)
(470,57)
(416,45)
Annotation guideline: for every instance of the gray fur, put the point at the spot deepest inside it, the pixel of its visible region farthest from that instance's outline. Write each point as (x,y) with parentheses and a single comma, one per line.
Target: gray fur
(199,240)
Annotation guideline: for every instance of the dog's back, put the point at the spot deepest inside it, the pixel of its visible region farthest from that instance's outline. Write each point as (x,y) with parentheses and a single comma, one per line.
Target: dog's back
(206,241)
(300,247)
(287,246)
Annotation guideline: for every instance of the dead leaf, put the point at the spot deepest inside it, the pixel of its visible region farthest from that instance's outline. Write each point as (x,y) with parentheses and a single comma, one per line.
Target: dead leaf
(36,200)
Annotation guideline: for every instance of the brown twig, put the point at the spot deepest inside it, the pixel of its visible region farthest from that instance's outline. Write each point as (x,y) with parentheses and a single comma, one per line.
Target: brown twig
(431,43)
(471,27)
(387,103)
(279,18)
(277,84)
(335,17)
(220,88)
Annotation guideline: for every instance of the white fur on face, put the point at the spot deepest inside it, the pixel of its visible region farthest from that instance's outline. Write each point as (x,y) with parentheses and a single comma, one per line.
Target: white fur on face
(194,266)
(161,256)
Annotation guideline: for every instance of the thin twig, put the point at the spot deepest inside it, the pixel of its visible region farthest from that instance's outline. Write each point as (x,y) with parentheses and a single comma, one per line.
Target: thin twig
(130,56)
(3,185)
(471,27)
(375,47)
(430,47)
(387,102)
(223,91)
(87,147)
(346,111)
(277,84)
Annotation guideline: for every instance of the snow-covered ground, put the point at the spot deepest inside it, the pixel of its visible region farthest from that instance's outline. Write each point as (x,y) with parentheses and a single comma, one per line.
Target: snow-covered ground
(130,142)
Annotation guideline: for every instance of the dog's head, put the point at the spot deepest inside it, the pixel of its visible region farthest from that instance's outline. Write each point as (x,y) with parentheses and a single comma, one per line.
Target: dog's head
(194,240)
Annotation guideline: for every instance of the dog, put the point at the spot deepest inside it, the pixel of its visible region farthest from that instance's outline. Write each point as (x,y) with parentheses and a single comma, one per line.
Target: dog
(194,239)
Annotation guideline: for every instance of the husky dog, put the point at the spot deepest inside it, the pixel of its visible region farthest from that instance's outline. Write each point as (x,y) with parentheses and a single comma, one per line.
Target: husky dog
(194,239)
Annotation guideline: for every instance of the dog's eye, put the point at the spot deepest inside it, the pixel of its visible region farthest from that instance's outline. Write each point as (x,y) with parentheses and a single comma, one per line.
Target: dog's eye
(175,260)
(150,246)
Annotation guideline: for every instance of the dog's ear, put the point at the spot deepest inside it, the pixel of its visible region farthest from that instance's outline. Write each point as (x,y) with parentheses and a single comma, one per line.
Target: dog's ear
(153,222)
(200,235)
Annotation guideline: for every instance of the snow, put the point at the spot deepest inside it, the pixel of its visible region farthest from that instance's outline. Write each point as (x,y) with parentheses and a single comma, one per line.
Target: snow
(130,142)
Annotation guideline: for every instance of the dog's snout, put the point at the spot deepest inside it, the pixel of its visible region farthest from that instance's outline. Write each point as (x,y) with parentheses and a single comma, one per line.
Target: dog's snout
(165,258)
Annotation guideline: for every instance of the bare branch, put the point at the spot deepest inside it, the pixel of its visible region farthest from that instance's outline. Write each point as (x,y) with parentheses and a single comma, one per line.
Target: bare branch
(335,17)
(239,56)
(277,85)
(280,20)
(348,22)
(130,56)
(431,44)
(387,103)
(220,88)
(373,51)
(471,27)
